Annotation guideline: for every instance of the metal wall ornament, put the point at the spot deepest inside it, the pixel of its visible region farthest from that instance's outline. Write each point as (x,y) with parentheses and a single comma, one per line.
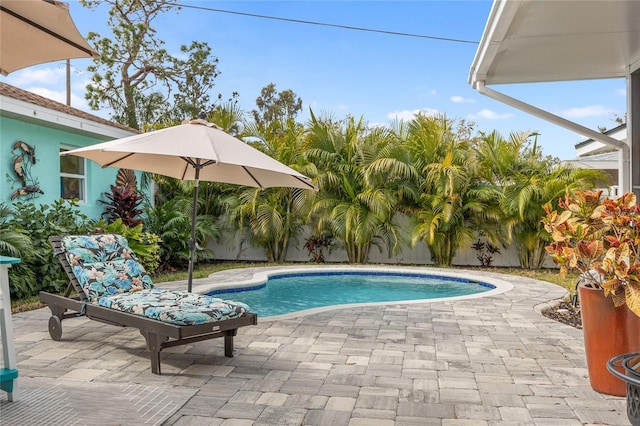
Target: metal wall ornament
(24,156)
(126,178)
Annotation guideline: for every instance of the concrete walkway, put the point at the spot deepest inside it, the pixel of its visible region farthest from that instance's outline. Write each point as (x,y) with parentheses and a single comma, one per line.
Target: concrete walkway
(483,361)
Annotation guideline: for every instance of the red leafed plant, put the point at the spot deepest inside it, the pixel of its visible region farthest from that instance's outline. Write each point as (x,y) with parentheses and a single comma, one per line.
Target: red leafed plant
(599,238)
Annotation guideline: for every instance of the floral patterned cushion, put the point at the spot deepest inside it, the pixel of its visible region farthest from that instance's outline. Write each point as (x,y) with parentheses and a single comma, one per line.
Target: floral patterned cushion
(82,249)
(106,278)
(112,277)
(104,264)
(175,307)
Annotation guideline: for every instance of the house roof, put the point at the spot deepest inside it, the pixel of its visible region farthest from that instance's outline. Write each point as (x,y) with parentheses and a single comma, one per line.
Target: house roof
(611,132)
(40,101)
(603,161)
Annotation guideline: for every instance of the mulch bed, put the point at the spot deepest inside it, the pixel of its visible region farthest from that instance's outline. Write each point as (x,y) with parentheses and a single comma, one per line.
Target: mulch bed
(565,313)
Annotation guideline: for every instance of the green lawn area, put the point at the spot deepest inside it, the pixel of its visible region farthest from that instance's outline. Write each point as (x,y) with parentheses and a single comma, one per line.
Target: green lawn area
(202,271)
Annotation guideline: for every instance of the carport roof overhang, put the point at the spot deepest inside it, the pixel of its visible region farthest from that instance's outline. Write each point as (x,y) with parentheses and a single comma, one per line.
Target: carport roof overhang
(527,41)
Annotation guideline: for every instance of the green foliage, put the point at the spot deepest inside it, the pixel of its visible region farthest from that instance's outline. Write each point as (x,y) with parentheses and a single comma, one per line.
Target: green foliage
(525,180)
(451,206)
(171,222)
(275,107)
(228,116)
(137,78)
(15,242)
(39,269)
(364,181)
(274,216)
(316,244)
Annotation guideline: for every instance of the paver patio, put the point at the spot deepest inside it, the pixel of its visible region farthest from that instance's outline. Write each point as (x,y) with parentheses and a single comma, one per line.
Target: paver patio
(486,361)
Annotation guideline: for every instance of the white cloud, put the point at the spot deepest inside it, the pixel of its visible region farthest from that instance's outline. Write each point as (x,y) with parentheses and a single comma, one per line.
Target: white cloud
(460,99)
(490,115)
(621,92)
(342,108)
(56,95)
(407,115)
(587,111)
(48,76)
(77,101)
(377,125)
(80,102)
(79,85)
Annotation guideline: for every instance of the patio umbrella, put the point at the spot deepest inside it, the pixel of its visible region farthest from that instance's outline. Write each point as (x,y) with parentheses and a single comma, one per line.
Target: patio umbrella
(195,150)
(38,31)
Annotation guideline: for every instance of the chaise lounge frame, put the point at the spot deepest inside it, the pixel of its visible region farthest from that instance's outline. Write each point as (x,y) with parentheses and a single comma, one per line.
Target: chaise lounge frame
(158,335)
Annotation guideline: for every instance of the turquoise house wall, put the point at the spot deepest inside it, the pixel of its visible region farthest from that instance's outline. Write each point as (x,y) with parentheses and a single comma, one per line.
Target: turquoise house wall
(47,141)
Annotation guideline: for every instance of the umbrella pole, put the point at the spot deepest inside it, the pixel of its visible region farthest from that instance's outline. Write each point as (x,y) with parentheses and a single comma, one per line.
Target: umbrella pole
(192,240)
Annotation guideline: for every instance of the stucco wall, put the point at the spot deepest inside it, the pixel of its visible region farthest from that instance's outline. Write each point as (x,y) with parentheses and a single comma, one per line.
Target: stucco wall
(47,141)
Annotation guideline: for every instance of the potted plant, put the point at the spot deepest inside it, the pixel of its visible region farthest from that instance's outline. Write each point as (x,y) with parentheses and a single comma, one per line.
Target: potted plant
(600,239)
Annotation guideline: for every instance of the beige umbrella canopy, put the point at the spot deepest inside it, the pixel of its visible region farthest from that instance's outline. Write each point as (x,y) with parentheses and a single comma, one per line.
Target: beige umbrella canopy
(195,150)
(38,31)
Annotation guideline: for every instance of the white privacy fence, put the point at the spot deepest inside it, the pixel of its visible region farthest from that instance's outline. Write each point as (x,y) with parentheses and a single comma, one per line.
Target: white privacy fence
(239,248)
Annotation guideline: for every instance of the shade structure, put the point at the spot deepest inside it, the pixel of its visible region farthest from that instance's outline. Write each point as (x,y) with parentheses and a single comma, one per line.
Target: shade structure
(195,150)
(38,31)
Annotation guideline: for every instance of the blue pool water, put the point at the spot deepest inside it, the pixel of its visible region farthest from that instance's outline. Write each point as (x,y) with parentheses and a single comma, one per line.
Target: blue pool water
(294,292)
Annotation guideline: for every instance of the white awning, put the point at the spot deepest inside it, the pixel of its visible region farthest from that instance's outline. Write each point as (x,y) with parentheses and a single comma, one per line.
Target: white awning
(527,41)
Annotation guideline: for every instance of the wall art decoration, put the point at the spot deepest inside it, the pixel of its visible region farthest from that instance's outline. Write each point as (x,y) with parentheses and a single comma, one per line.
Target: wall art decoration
(22,181)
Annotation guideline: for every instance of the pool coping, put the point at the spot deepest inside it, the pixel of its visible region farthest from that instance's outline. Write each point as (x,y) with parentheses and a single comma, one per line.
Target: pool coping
(261,276)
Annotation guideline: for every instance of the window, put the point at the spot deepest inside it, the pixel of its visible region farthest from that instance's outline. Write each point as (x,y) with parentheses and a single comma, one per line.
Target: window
(72,177)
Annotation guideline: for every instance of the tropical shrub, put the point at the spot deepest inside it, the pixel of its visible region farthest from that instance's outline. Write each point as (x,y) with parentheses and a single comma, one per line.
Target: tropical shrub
(274,216)
(15,242)
(524,180)
(40,222)
(171,223)
(123,203)
(453,205)
(600,239)
(316,244)
(485,251)
(361,175)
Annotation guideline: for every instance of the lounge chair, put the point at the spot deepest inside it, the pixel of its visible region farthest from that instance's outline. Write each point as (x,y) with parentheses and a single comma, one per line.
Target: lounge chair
(111,286)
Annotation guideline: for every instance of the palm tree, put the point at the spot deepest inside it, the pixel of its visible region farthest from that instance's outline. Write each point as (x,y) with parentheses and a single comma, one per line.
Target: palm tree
(274,216)
(228,116)
(453,204)
(526,180)
(361,178)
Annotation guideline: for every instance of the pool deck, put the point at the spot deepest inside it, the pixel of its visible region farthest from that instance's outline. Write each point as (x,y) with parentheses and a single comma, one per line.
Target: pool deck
(480,361)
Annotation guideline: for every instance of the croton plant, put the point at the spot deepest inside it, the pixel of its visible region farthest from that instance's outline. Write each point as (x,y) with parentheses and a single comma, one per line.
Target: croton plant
(600,239)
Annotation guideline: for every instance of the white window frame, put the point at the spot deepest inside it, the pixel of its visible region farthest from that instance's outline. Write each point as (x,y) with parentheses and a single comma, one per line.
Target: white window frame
(81,177)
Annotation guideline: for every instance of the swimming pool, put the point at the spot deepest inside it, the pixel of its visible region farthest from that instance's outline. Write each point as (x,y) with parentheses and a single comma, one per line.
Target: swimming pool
(287,292)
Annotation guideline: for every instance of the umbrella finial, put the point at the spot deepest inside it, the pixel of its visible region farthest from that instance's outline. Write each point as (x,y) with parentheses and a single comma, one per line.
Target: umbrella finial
(202,115)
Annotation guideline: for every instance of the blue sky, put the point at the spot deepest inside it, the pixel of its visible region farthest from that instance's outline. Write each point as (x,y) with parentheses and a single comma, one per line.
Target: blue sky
(338,71)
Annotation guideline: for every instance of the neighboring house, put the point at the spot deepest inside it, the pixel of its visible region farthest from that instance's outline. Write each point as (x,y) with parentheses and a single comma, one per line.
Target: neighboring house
(594,154)
(33,132)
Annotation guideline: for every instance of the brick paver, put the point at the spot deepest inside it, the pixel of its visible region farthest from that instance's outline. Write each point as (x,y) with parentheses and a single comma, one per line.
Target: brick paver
(482,361)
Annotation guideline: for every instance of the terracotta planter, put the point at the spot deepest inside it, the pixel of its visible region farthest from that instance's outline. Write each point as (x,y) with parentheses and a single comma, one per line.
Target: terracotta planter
(608,332)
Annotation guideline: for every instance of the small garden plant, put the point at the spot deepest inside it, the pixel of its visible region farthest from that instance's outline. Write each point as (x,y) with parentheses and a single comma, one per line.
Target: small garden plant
(600,239)
(316,244)
(485,252)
